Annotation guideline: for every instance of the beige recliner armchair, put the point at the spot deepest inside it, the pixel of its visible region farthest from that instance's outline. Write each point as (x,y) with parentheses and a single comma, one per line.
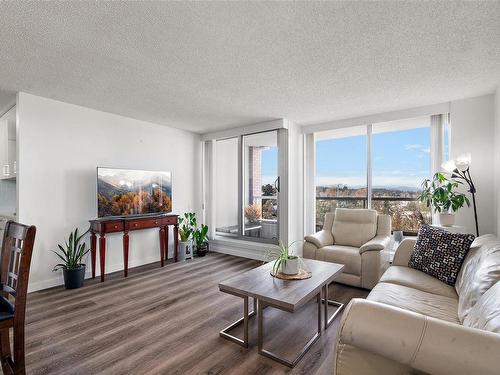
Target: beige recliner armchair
(355,238)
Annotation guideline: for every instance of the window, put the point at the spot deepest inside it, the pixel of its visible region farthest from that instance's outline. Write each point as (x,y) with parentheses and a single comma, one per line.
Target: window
(246,186)
(226,186)
(400,162)
(341,165)
(379,166)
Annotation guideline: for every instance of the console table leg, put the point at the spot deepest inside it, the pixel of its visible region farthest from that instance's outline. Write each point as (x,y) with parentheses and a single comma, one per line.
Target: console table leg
(166,242)
(102,254)
(93,252)
(162,245)
(176,241)
(125,254)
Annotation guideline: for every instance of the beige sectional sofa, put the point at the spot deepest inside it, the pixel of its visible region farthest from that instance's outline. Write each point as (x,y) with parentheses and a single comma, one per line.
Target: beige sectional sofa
(412,323)
(355,238)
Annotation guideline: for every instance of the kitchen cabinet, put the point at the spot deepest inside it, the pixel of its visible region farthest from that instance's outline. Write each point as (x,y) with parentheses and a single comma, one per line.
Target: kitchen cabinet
(8,145)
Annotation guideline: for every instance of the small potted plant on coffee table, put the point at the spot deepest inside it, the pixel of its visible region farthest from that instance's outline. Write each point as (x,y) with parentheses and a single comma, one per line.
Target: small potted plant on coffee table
(286,263)
(201,240)
(73,266)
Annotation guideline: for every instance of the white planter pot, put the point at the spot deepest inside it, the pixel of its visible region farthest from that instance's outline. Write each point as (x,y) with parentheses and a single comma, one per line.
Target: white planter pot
(290,266)
(447,220)
(185,250)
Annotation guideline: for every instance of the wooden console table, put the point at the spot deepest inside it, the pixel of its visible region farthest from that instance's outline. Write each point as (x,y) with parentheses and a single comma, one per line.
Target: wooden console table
(125,224)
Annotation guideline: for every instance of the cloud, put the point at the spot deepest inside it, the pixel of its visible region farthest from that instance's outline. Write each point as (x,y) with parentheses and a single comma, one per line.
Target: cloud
(417,147)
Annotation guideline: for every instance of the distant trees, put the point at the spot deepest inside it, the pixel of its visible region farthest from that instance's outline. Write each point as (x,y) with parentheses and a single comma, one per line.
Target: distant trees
(268,189)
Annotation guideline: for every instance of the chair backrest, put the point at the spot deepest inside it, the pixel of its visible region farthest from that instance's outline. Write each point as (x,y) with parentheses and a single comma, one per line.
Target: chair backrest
(17,248)
(354,227)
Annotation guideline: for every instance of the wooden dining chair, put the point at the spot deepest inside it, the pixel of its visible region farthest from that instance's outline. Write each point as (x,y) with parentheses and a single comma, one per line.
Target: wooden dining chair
(17,247)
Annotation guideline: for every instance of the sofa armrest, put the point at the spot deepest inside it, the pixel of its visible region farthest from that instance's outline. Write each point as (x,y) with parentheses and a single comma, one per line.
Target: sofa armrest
(320,239)
(377,243)
(403,252)
(424,343)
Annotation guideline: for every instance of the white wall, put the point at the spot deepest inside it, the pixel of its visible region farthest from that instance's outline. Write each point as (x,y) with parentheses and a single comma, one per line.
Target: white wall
(497,158)
(473,130)
(60,146)
(226,182)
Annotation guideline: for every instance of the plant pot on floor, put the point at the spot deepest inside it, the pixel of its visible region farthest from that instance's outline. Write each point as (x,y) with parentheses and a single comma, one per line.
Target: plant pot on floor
(73,279)
(185,250)
(290,266)
(446,220)
(201,251)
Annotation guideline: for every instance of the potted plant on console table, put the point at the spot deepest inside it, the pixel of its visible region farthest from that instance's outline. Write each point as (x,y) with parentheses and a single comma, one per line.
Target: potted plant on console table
(441,194)
(187,225)
(73,265)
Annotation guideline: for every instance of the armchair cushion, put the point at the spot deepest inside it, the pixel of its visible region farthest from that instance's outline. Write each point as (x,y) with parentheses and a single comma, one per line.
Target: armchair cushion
(424,343)
(376,243)
(403,252)
(440,253)
(346,255)
(486,312)
(354,227)
(321,238)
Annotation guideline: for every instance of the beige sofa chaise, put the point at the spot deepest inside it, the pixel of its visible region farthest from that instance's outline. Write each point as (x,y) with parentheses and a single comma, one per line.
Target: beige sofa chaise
(412,323)
(355,238)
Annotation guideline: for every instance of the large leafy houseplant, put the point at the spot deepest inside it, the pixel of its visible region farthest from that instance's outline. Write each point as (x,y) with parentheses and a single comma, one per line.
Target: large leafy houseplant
(71,255)
(201,240)
(441,194)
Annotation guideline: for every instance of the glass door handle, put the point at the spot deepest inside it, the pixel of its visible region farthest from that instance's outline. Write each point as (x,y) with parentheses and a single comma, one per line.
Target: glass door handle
(277,184)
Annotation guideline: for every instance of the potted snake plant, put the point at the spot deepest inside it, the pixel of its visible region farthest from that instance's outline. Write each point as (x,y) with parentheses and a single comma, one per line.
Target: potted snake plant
(73,265)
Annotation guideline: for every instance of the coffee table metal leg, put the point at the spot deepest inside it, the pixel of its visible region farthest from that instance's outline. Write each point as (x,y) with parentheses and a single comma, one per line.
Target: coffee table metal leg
(328,302)
(267,353)
(246,315)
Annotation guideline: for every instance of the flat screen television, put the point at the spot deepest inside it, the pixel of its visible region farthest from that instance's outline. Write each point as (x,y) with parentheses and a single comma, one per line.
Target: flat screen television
(126,192)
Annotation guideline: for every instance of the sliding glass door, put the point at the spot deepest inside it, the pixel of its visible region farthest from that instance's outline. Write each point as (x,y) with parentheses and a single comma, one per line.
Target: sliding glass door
(260,187)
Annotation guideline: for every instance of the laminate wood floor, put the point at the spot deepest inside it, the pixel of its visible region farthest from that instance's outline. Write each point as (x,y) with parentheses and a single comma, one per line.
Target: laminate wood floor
(167,321)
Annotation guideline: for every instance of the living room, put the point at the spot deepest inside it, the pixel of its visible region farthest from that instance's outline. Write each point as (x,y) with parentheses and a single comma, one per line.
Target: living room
(288,225)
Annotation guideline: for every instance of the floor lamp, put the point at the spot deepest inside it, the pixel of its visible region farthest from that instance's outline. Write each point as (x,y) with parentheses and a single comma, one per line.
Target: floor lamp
(460,169)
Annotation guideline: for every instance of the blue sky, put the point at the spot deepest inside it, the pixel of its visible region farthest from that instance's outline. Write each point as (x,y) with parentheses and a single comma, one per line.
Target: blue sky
(399,159)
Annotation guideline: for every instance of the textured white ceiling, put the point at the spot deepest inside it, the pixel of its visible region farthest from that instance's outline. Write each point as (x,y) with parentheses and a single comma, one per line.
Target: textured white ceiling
(206,66)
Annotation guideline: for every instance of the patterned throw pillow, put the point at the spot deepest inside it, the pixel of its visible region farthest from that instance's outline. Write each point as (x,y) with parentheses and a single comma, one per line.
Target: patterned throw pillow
(440,253)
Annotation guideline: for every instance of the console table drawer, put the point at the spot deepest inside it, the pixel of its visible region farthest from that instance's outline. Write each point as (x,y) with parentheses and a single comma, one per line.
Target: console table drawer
(169,220)
(143,224)
(116,226)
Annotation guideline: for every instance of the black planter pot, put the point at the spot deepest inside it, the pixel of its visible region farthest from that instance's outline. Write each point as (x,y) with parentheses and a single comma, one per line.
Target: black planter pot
(202,250)
(73,279)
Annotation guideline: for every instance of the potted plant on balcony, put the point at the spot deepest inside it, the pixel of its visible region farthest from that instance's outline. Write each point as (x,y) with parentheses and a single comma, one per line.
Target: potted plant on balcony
(441,194)
(187,225)
(253,213)
(201,240)
(72,264)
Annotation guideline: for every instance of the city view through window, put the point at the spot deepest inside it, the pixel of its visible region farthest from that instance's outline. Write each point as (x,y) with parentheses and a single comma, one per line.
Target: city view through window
(400,161)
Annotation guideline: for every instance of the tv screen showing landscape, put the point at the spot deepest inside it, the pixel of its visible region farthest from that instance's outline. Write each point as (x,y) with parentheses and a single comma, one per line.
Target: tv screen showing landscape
(124,192)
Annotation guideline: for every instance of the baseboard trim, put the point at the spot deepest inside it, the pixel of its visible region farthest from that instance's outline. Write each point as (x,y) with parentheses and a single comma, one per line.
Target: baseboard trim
(58,279)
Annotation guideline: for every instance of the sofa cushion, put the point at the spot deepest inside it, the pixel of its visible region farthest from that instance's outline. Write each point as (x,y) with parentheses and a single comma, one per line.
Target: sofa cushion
(354,227)
(481,270)
(412,278)
(440,307)
(486,312)
(347,255)
(440,253)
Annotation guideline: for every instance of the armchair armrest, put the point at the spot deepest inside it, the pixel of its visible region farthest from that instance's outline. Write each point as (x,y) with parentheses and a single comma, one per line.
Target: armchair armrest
(377,243)
(424,343)
(321,238)
(403,252)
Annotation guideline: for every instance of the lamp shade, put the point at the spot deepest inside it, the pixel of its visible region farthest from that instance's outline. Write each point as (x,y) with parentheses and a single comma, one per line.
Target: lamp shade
(461,162)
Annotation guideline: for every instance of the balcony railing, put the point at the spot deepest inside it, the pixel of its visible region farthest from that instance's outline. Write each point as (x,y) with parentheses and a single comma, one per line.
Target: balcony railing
(407,212)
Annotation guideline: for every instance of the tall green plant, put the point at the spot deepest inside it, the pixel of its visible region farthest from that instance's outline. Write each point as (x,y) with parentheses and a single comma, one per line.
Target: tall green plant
(72,253)
(200,235)
(440,193)
(187,225)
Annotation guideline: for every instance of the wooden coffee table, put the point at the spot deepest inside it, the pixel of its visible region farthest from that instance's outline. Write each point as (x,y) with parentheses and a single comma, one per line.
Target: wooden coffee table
(286,295)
